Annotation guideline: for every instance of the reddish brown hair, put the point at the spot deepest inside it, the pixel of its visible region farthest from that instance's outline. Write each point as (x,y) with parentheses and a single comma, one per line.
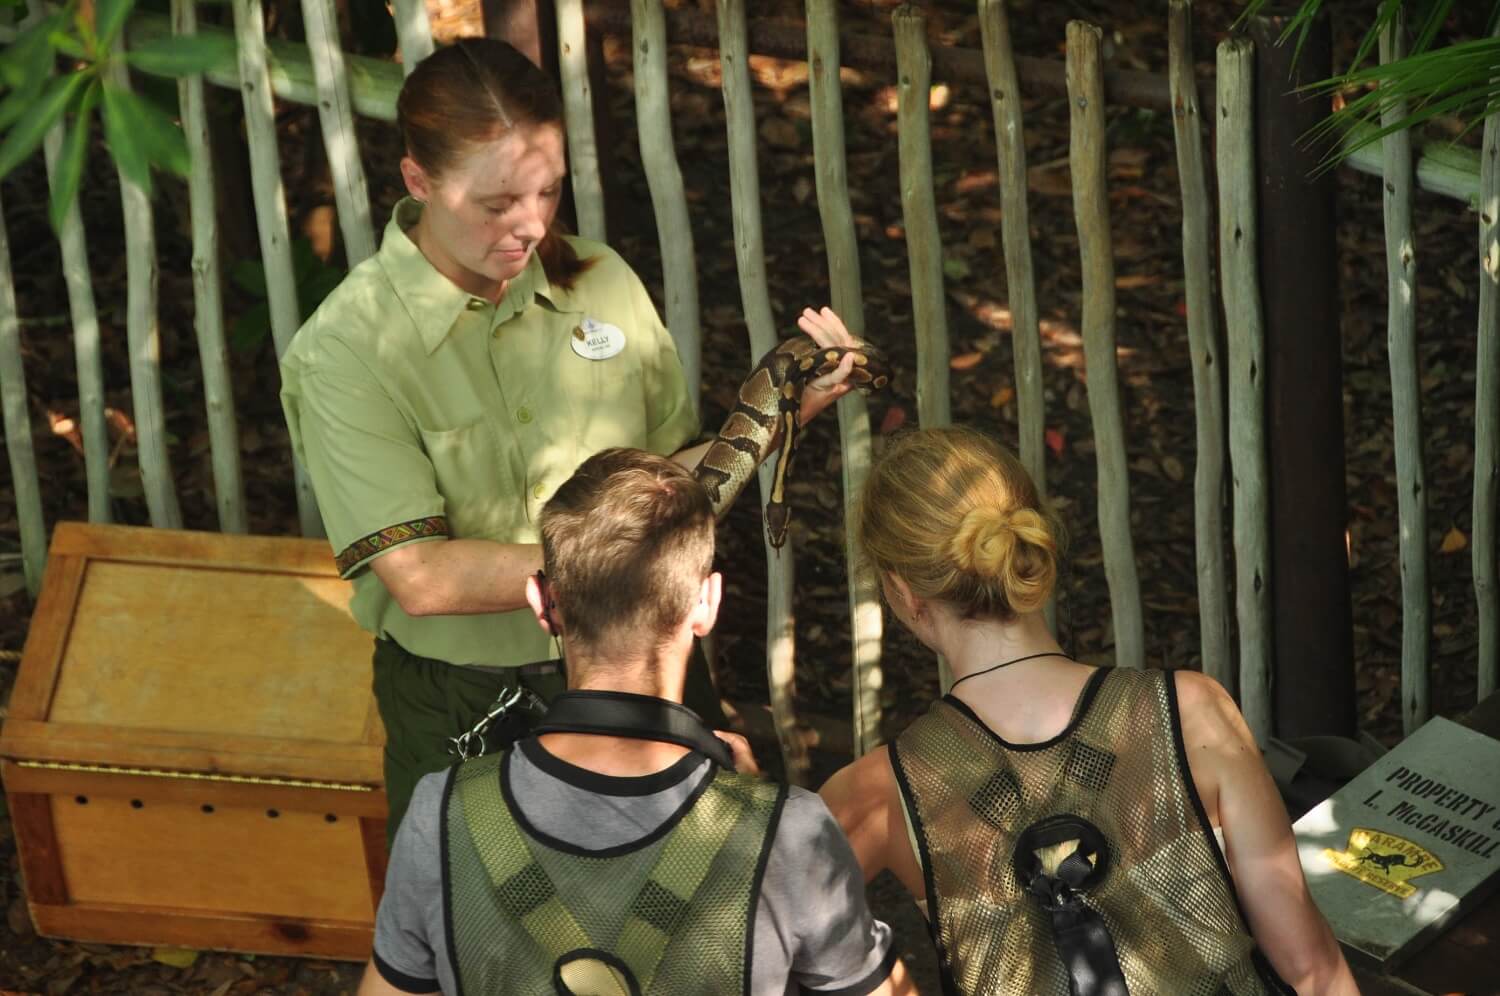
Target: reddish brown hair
(474,91)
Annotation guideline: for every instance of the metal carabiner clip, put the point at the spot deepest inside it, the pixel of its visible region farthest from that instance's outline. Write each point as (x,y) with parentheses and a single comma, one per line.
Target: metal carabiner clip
(470,743)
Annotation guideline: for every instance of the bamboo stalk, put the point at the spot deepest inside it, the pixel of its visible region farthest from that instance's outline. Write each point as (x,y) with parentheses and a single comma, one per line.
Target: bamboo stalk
(17,415)
(668,198)
(578,104)
(413,32)
(144,338)
(1483,536)
(924,247)
(1247,403)
(270,214)
(1015,235)
(744,190)
(208,307)
(1406,403)
(1205,349)
(374,84)
(85,316)
(336,115)
(1015,231)
(842,247)
(1086,159)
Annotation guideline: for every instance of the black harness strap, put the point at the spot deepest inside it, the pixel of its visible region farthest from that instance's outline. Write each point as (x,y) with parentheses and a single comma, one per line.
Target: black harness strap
(1084,945)
(643,717)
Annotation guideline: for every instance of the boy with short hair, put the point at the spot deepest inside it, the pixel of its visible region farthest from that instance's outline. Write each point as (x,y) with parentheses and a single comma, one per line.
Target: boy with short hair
(616,850)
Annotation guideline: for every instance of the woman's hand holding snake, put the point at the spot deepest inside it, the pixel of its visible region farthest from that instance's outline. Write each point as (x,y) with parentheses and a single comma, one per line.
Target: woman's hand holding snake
(826,329)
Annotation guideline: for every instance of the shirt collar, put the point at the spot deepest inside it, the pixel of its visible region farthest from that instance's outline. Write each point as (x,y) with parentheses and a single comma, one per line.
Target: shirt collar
(432,301)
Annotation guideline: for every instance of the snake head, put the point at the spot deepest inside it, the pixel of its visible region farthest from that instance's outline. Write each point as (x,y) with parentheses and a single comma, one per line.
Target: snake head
(777,518)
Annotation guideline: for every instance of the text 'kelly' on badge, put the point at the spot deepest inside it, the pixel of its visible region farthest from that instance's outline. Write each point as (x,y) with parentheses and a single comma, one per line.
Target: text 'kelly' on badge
(596,340)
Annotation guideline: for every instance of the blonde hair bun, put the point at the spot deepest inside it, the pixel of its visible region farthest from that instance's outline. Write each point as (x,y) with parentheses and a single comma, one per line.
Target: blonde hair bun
(1010,552)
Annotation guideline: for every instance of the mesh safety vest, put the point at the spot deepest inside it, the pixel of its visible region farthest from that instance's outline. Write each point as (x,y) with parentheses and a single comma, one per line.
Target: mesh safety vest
(1165,894)
(672,913)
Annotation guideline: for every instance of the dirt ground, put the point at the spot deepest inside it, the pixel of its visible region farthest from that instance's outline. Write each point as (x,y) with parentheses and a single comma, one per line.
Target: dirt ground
(1153,360)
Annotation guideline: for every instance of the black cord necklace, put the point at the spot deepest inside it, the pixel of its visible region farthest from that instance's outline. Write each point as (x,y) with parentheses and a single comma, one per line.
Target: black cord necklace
(1013,660)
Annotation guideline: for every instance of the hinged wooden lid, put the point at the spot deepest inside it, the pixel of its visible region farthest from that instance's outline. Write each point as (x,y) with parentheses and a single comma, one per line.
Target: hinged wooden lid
(192,651)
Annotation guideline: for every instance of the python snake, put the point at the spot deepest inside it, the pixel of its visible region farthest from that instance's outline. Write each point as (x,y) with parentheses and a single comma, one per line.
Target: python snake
(771,397)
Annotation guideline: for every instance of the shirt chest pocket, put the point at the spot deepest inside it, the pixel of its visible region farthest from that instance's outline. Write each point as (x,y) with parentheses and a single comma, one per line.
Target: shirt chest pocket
(607,400)
(477,474)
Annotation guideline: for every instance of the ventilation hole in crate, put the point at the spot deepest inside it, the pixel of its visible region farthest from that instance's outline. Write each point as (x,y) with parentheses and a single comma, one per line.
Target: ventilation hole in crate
(331,818)
(273,813)
(82,800)
(207,807)
(136,804)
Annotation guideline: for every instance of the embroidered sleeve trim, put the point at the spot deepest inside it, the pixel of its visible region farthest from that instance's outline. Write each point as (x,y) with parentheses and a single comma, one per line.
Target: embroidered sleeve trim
(361,550)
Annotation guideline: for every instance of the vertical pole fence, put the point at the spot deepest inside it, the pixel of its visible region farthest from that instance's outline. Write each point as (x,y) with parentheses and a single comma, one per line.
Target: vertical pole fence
(85,315)
(1483,536)
(413,32)
(749,251)
(1247,405)
(1204,348)
(1086,158)
(270,214)
(674,228)
(336,115)
(17,415)
(578,103)
(144,337)
(842,247)
(208,307)
(1406,402)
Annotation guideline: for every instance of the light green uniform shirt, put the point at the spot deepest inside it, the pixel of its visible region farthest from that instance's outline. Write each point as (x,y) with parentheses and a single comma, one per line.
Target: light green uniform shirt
(422,412)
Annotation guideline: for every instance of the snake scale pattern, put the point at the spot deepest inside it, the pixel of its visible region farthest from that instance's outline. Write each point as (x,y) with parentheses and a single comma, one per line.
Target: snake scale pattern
(770,398)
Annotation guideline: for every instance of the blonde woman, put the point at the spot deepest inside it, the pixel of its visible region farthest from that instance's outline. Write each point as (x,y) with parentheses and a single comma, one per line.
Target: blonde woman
(1058,819)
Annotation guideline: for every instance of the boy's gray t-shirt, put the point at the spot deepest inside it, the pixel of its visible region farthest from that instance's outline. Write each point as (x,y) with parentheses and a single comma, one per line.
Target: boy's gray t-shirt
(813,931)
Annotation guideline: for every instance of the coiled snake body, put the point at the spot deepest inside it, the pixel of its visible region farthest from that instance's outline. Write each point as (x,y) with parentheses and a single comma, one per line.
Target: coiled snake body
(771,397)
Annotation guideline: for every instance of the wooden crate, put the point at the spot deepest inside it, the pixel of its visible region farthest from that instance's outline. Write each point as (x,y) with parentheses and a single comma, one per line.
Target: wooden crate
(192,754)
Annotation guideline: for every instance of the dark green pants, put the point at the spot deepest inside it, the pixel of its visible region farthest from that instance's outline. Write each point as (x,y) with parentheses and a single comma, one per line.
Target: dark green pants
(424,702)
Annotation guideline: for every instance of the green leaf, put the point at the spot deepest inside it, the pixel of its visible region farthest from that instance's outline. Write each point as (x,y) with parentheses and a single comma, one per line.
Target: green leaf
(27,133)
(69,172)
(69,45)
(955,268)
(13,106)
(252,328)
(182,55)
(109,18)
(156,137)
(305,262)
(29,55)
(319,286)
(249,276)
(122,133)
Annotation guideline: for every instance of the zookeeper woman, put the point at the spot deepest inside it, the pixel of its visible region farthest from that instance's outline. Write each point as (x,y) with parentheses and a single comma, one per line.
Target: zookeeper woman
(453,381)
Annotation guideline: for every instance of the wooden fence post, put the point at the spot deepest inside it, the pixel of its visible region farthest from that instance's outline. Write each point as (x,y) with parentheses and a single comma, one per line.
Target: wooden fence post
(1313,680)
(1247,362)
(750,259)
(1086,158)
(578,99)
(208,307)
(1205,348)
(842,245)
(336,115)
(17,414)
(1483,538)
(270,214)
(1406,402)
(674,228)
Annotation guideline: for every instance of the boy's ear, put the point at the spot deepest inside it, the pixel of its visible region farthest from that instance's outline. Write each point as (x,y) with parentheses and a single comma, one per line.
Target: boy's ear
(540,601)
(706,610)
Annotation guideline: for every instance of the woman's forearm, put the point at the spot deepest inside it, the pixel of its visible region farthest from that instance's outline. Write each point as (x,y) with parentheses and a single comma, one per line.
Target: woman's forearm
(458,576)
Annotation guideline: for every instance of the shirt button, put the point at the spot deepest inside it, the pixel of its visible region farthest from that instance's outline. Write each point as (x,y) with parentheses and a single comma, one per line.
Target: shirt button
(523,415)
(475,304)
(539,490)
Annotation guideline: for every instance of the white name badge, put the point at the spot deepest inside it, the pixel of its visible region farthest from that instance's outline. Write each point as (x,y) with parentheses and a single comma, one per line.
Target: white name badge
(596,340)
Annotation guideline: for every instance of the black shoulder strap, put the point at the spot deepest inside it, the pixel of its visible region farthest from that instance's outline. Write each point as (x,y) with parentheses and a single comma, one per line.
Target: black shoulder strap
(624,714)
